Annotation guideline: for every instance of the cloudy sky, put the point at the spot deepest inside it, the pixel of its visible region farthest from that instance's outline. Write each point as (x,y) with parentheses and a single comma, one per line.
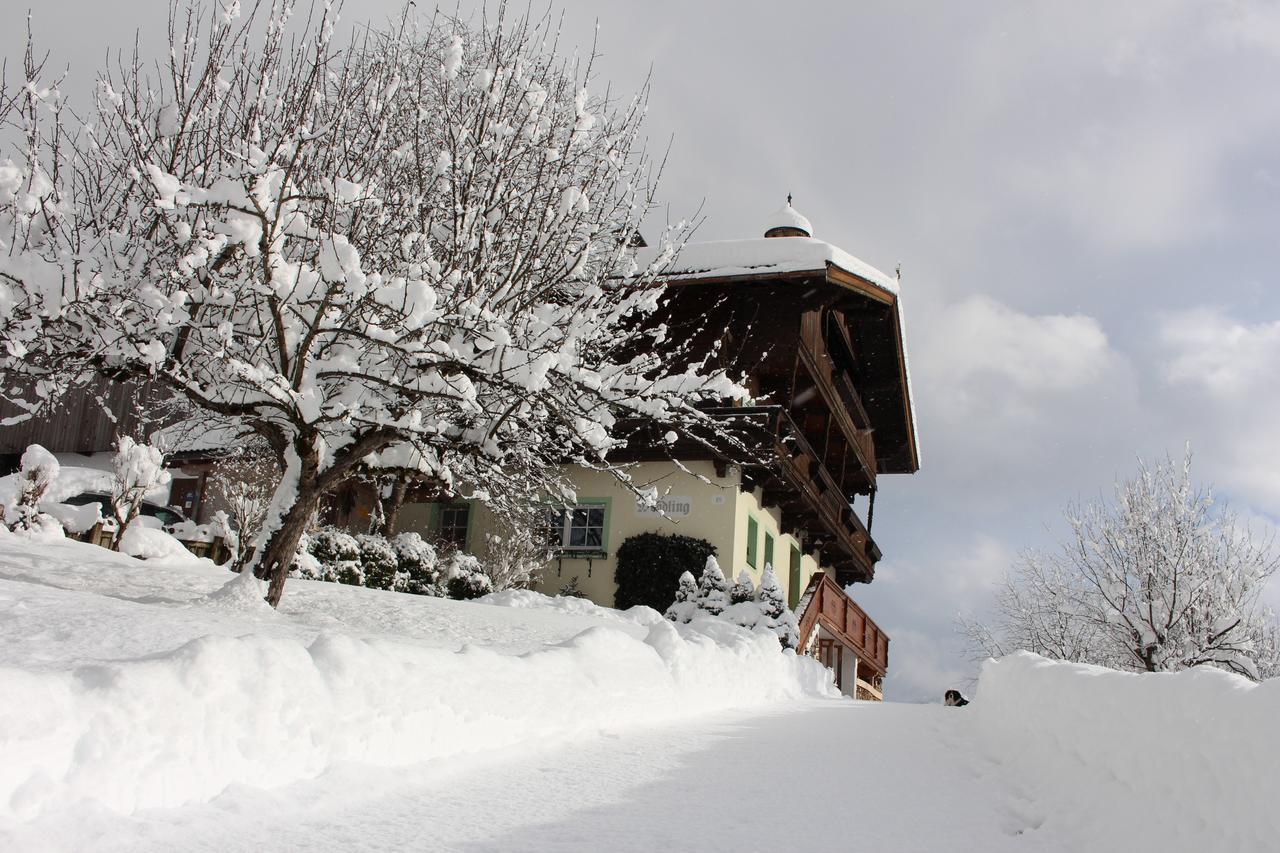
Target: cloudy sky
(1084,199)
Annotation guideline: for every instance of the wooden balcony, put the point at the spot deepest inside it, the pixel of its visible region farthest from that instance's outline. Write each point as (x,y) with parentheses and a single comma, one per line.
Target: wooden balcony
(847,629)
(842,398)
(811,480)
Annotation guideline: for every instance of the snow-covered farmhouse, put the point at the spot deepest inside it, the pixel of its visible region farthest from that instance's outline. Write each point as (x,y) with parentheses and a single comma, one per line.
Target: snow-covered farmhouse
(819,335)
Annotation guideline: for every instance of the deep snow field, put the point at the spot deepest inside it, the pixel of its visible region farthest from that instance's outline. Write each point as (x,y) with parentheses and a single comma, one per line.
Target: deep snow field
(162,706)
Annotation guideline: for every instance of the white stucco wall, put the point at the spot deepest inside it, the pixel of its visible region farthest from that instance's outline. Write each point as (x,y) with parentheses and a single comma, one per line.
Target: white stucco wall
(716,510)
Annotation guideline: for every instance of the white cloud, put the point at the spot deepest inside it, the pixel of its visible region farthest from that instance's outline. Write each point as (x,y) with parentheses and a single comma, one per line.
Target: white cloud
(1230,373)
(1034,354)
(1226,358)
(992,377)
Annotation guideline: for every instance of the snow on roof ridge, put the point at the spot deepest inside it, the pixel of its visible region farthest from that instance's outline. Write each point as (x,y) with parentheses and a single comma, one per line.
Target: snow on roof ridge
(763,255)
(788,217)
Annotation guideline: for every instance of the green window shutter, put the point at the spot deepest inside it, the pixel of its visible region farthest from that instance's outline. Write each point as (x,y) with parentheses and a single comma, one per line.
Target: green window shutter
(793,583)
(753,534)
(768,549)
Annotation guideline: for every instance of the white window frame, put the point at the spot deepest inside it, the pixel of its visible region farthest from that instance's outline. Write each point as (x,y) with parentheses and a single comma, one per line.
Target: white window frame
(566,526)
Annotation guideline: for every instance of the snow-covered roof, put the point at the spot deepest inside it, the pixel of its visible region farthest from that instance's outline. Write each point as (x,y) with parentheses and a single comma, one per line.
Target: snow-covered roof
(764,256)
(788,217)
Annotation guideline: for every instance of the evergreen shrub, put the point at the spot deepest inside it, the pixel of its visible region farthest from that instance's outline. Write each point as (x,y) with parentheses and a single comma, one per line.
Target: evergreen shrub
(650,566)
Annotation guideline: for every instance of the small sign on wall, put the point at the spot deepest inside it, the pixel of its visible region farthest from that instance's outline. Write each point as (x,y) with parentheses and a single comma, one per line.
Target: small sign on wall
(668,505)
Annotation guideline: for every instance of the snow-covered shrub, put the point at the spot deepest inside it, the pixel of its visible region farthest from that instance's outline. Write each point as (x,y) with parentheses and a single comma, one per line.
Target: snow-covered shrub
(136,471)
(149,543)
(338,555)
(39,469)
(406,563)
(686,604)
(379,563)
(743,609)
(743,589)
(713,589)
(765,608)
(304,564)
(774,613)
(650,565)
(417,563)
(465,579)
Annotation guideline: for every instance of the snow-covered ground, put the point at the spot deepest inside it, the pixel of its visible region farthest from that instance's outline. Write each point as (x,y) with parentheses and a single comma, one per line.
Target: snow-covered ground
(130,685)
(139,713)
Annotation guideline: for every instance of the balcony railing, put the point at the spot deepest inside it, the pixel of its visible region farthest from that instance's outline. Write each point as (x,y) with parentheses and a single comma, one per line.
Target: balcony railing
(826,605)
(802,465)
(847,409)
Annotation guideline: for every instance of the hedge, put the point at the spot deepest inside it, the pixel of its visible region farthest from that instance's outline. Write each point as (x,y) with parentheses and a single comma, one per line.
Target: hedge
(650,565)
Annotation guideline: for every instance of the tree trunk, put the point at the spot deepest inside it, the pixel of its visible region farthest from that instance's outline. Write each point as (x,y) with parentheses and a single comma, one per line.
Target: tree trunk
(391,510)
(281,547)
(122,524)
(288,516)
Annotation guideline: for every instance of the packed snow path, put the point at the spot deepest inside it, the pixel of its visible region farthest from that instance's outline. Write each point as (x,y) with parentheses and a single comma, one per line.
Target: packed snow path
(820,775)
(152,706)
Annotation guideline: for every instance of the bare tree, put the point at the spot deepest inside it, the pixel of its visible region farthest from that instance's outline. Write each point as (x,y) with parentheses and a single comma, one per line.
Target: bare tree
(1157,579)
(242,484)
(517,551)
(412,251)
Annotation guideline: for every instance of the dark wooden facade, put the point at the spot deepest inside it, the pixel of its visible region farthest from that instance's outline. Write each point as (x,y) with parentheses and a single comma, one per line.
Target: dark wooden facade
(824,356)
(85,420)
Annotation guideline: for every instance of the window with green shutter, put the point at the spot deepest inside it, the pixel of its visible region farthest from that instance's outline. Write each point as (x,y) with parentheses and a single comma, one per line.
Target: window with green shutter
(768,549)
(793,583)
(753,534)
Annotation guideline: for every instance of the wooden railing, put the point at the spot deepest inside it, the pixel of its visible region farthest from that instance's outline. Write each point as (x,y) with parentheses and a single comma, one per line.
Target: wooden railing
(802,463)
(825,604)
(847,410)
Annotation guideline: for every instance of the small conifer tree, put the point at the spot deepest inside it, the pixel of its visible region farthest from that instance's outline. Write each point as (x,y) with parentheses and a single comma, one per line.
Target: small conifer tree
(743,589)
(775,615)
(713,589)
(681,610)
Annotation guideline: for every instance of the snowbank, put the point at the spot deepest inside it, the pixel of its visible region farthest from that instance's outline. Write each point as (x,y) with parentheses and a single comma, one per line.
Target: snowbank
(142,540)
(180,726)
(1170,761)
(71,480)
(527,599)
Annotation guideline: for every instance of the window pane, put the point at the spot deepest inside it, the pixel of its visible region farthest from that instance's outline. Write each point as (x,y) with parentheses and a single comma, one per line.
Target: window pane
(553,527)
(453,525)
(586,527)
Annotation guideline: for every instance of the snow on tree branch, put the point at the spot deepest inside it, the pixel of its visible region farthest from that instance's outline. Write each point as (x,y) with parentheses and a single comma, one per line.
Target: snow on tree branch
(405,246)
(1160,578)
